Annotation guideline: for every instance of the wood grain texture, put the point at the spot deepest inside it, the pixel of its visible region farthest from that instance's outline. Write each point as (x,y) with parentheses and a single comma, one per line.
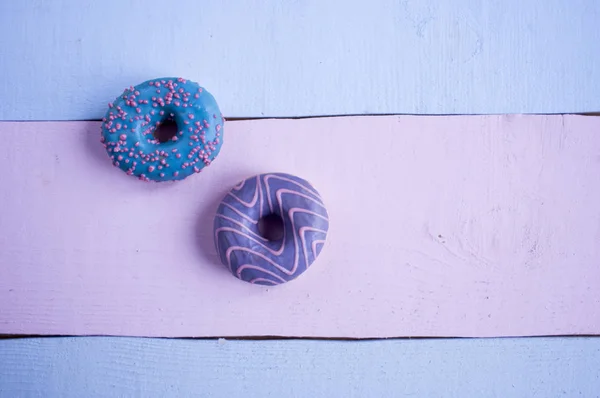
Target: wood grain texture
(463,226)
(66,59)
(125,367)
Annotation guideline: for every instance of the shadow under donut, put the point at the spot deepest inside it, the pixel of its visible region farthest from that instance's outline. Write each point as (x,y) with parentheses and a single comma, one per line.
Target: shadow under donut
(204,226)
(94,147)
(204,234)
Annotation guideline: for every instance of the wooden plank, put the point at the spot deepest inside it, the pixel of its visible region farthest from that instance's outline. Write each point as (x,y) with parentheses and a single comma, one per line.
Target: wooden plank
(126,367)
(304,58)
(440,226)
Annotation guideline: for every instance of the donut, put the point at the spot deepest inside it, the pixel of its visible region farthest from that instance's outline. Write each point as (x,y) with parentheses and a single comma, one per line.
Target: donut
(270,228)
(130,127)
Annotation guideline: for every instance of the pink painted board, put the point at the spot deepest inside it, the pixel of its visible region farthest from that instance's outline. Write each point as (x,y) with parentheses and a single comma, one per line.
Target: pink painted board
(440,226)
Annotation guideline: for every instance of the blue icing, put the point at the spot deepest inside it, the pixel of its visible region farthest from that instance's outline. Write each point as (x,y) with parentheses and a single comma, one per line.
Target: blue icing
(251,257)
(129,125)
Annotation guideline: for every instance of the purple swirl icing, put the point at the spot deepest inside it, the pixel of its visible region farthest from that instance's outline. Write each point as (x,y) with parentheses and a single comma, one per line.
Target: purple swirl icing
(243,246)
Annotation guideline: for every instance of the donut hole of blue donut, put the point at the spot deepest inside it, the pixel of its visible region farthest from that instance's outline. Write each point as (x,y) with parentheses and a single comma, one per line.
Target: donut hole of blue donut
(166,130)
(271,227)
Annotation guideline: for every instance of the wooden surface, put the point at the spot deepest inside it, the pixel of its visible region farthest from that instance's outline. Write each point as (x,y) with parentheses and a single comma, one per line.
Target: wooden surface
(124,367)
(440,226)
(66,59)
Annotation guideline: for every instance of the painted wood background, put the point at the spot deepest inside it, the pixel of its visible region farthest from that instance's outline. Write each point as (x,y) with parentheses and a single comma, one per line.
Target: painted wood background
(448,226)
(64,60)
(126,367)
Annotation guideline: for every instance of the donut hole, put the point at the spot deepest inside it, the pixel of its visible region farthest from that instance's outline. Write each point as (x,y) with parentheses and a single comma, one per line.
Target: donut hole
(270,227)
(165,131)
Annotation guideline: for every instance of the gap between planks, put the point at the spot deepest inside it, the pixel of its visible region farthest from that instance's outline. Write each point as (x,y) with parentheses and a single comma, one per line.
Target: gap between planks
(250,118)
(274,338)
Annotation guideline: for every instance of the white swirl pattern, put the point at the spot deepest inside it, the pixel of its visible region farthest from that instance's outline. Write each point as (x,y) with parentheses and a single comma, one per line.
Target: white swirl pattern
(253,258)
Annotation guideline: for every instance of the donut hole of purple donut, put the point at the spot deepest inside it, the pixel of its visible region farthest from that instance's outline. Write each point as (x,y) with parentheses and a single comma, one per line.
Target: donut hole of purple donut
(166,130)
(271,227)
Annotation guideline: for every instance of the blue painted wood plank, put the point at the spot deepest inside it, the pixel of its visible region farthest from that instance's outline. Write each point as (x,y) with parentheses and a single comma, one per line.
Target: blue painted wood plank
(117,367)
(65,59)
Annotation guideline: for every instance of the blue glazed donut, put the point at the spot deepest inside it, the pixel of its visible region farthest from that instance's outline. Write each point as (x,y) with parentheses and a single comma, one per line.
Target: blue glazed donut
(255,252)
(128,129)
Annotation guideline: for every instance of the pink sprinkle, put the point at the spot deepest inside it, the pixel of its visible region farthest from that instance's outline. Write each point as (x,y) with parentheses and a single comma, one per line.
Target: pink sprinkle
(150,169)
(175,173)
(110,105)
(122,137)
(190,115)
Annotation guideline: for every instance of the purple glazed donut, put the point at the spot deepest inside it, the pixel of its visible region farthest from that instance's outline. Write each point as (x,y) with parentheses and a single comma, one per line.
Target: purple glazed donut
(270,228)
